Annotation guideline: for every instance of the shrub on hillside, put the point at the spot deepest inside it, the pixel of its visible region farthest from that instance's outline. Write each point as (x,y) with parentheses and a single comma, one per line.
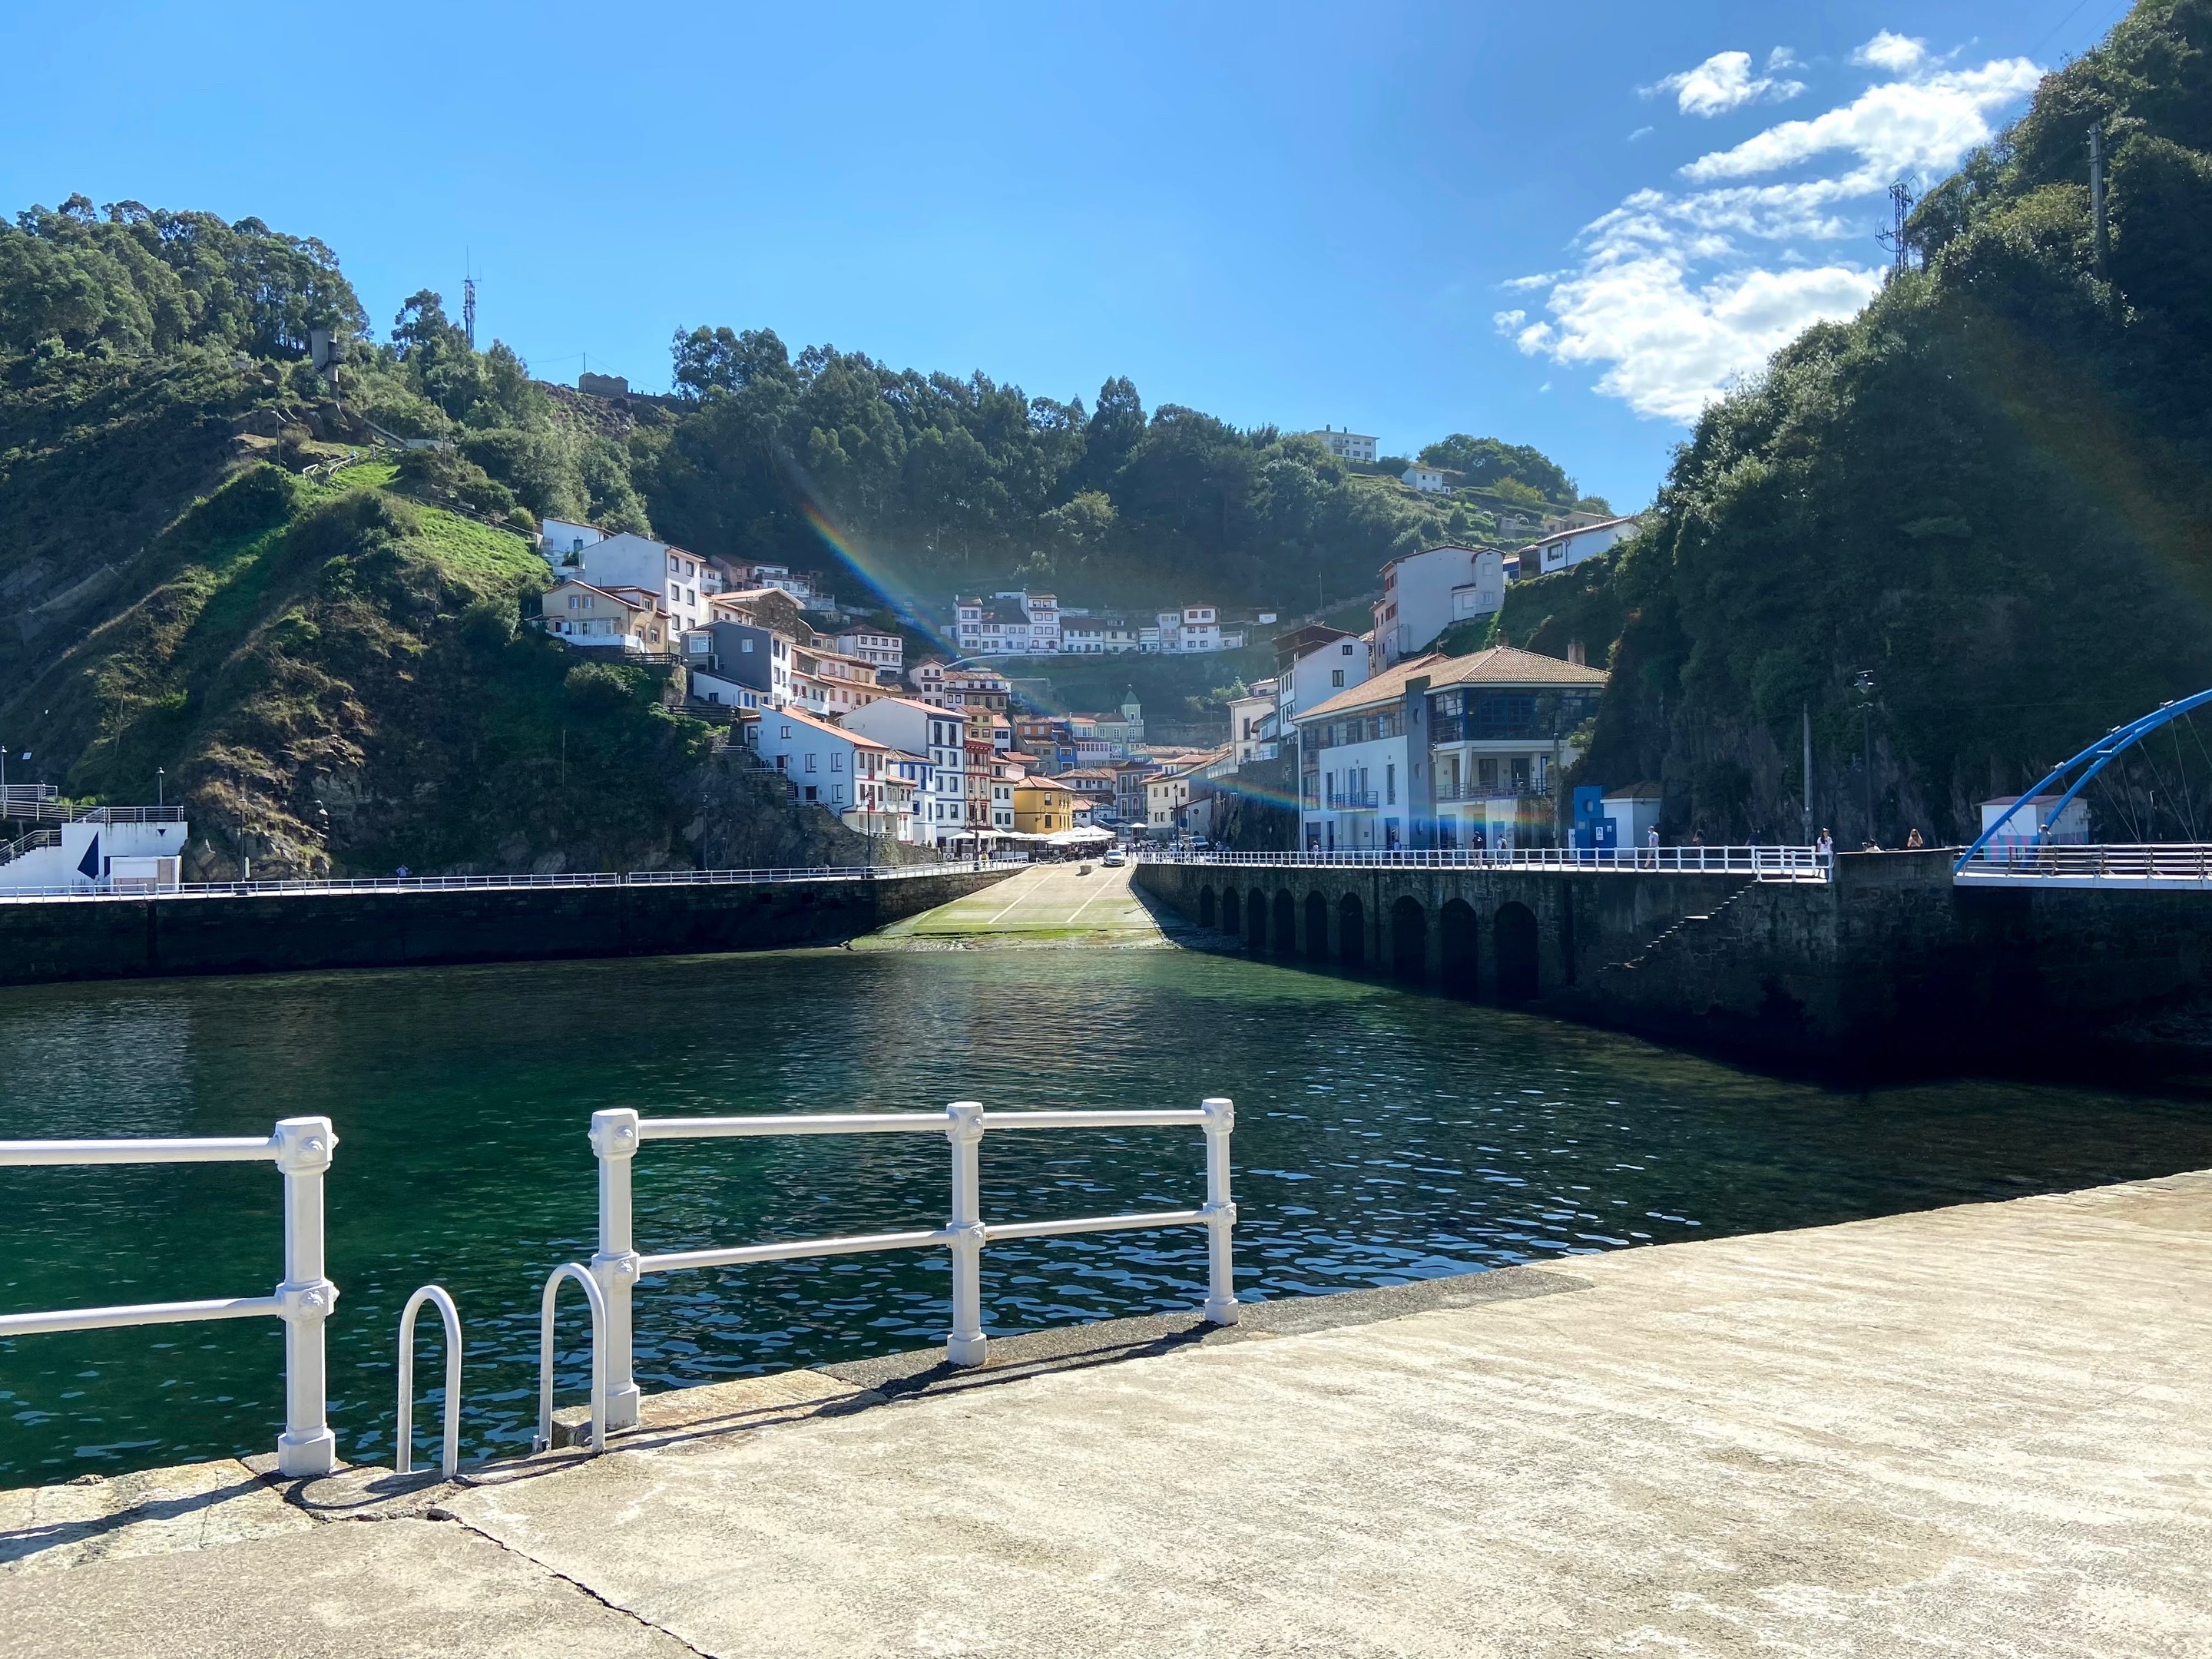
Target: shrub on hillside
(601,688)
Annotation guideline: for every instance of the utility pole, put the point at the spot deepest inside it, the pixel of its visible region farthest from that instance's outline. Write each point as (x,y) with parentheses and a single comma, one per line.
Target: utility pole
(1863,681)
(469,302)
(1808,774)
(2097,194)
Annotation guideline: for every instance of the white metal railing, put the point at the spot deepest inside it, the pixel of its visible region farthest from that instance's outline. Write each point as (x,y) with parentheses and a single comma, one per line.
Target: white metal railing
(449,1461)
(472,884)
(2141,864)
(616,1267)
(1763,863)
(300,1148)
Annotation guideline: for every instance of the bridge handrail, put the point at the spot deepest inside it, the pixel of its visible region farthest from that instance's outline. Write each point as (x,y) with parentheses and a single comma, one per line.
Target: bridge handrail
(300,1148)
(1801,863)
(469,884)
(2188,863)
(616,1134)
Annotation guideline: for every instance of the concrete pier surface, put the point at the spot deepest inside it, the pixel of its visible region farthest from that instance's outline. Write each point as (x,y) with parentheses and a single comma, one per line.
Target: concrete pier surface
(1047,904)
(1978,1430)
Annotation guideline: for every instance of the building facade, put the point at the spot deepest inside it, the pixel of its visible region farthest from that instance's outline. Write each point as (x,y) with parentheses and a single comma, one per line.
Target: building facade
(1445,751)
(936,738)
(1426,593)
(823,765)
(579,613)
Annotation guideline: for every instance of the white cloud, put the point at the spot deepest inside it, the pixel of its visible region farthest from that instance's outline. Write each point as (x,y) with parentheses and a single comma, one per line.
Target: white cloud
(1900,54)
(1670,343)
(1542,279)
(1900,126)
(1639,133)
(1681,293)
(1722,83)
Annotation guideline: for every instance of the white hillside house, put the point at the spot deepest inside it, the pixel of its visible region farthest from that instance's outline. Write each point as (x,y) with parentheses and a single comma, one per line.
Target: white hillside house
(1348,446)
(1568,547)
(1426,592)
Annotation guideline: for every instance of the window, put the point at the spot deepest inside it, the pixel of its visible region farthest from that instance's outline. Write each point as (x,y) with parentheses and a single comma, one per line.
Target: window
(1336,676)
(836,762)
(810,763)
(745,645)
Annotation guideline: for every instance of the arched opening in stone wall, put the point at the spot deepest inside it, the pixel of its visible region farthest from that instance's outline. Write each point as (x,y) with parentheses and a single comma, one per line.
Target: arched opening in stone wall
(1232,918)
(1287,924)
(1351,932)
(1514,934)
(1255,920)
(1456,936)
(1316,928)
(1206,907)
(1409,940)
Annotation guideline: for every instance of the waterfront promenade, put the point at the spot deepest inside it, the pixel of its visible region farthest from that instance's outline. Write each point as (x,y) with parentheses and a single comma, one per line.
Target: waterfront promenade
(1974,1431)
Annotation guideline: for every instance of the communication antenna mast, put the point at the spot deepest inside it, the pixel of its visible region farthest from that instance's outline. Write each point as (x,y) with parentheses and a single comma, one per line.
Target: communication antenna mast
(469,304)
(1900,207)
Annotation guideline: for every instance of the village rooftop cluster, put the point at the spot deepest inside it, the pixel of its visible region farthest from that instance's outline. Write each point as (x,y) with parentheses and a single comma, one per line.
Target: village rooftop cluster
(1391,744)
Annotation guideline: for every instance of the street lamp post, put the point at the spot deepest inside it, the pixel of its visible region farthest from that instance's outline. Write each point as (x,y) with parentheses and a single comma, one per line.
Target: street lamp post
(1863,681)
(160,786)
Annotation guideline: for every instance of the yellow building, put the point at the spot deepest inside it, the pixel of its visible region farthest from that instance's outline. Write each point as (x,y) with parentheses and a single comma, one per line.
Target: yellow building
(1043,807)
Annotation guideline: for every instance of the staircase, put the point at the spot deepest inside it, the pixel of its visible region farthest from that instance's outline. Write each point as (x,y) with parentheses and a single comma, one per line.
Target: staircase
(1683,926)
(30,843)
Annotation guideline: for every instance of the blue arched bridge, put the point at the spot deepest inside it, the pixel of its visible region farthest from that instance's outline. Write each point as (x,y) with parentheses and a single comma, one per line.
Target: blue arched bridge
(2042,837)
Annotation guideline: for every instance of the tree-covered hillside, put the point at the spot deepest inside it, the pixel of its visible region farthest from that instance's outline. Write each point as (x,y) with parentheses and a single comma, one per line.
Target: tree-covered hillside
(1993,488)
(940,482)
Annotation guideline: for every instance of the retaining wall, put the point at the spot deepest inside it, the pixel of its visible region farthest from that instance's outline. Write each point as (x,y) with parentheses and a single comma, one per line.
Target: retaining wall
(43,940)
(1888,967)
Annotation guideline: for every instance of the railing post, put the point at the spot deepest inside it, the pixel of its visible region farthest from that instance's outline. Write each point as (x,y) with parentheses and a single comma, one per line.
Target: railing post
(963,1127)
(614,1139)
(307,1447)
(1220,1213)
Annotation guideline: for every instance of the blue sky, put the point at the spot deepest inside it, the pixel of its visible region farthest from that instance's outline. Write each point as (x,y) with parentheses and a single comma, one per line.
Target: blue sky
(1561,224)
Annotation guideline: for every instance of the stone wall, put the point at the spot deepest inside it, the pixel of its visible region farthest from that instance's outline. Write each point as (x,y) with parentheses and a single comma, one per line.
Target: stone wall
(1888,967)
(43,940)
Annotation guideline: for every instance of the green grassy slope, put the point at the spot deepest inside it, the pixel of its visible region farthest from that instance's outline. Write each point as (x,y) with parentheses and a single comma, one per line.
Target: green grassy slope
(333,679)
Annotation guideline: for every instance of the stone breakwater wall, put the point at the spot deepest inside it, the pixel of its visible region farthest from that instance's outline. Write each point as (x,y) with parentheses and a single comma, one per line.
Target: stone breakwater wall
(47,940)
(1888,967)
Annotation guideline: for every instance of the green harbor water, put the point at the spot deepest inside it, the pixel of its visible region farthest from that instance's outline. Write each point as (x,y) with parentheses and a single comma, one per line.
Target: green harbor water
(1380,1136)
